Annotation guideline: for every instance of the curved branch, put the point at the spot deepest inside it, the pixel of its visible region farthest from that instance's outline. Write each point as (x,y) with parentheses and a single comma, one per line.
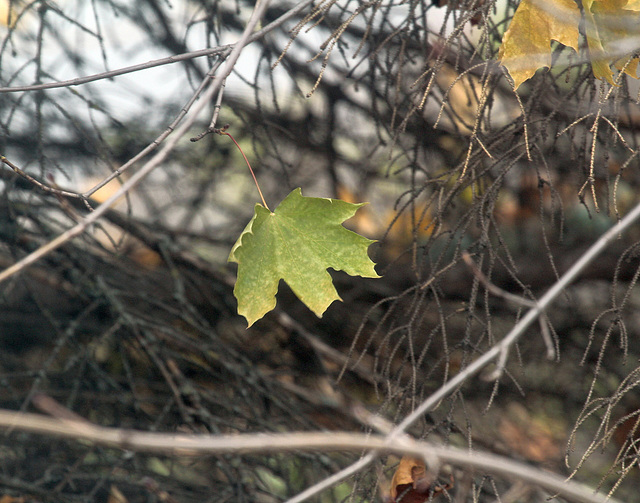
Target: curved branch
(69,426)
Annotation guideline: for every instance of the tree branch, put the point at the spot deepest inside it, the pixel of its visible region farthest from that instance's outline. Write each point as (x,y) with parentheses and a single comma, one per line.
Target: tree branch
(66,426)
(222,50)
(497,350)
(154,162)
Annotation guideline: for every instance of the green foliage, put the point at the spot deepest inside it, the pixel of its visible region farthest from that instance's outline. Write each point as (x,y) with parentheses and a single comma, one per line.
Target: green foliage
(297,243)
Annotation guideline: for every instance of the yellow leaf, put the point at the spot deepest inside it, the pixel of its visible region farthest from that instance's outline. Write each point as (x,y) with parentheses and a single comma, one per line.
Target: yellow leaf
(631,69)
(526,45)
(612,28)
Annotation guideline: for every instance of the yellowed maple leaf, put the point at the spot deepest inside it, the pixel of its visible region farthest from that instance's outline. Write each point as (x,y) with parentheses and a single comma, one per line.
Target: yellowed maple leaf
(526,45)
(613,30)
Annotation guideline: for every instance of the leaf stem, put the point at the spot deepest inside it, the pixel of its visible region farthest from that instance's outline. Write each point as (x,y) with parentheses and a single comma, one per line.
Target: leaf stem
(222,131)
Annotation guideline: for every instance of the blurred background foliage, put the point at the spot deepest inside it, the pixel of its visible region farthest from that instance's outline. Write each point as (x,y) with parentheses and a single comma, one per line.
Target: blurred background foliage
(397,103)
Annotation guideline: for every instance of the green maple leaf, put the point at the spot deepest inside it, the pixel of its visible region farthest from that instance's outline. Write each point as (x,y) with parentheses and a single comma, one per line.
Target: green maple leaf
(297,243)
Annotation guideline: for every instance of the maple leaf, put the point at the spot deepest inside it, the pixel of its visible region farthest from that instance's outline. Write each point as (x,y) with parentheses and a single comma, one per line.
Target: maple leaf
(297,242)
(612,28)
(526,45)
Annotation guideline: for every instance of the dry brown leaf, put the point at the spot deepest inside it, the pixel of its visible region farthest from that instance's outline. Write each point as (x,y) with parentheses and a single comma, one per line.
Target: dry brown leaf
(406,473)
(412,483)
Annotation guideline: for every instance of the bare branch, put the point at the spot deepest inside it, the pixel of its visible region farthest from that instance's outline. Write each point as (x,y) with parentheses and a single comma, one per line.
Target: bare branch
(500,348)
(153,162)
(545,301)
(516,299)
(121,71)
(156,143)
(194,445)
(214,118)
(222,51)
(39,184)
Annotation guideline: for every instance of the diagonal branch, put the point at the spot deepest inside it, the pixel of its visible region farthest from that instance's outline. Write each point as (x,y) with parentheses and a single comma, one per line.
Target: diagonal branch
(222,50)
(155,161)
(499,349)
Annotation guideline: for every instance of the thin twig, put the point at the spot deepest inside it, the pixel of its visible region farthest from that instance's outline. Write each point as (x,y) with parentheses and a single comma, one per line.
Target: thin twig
(217,106)
(491,288)
(196,445)
(154,162)
(214,118)
(334,479)
(478,364)
(120,71)
(328,351)
(163,61)
(516,299)
(568,277)
(156,143)
(38,183)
